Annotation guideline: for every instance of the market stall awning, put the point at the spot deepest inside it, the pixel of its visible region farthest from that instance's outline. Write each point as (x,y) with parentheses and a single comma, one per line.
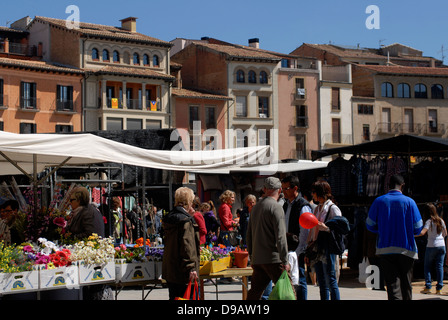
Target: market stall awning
(268,169)
(402,145)
(31,153)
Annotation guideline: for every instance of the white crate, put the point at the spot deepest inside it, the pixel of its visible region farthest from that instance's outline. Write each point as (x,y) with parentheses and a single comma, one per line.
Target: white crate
(64,277)
(19,282)
(135,271)
(96,273)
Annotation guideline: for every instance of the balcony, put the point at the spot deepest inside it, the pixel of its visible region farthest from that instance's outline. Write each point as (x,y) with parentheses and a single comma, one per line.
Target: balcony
(18,48)
(300,94)
(133,104)
(337,139)
(64,105)
(302,122)
(394,128)
(28,103)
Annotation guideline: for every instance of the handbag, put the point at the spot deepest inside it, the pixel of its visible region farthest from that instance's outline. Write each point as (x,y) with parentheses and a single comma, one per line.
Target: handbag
(187,294)
(312,251)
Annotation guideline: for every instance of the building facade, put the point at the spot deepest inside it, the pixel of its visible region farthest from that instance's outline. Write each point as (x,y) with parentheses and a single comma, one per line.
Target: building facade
(128,81)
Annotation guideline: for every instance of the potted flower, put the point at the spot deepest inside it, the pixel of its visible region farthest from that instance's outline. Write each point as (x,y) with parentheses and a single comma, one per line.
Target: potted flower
(131,264)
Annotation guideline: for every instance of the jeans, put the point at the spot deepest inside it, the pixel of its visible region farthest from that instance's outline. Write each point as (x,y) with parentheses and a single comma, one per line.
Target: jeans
(434,258)
(302,292)
(326,277)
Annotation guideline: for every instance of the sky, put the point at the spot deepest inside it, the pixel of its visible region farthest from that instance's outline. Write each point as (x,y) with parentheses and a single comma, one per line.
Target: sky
(281,25)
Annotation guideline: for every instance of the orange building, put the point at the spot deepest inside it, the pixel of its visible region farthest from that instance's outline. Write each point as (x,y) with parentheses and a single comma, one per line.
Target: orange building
(38,97)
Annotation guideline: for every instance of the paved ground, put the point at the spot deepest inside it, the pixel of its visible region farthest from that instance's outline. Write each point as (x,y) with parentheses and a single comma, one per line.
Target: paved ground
(349,287)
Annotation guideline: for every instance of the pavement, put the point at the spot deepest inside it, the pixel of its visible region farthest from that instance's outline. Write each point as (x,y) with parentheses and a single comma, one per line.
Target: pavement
(349,287)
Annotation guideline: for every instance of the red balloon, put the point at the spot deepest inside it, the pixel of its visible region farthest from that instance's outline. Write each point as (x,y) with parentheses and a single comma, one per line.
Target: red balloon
(308,220)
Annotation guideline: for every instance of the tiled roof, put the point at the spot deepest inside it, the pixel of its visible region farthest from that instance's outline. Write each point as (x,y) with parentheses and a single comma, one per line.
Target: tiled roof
(37,65)
(11,30)
(361,53)
(188,93)
(404,70)
(240,52)
(133,72)
(103,31)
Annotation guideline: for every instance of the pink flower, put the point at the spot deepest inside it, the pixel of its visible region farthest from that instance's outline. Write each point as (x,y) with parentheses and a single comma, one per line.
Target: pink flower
(60,222)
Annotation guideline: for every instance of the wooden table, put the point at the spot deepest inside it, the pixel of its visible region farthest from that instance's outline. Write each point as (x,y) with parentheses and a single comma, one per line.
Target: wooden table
(227,273)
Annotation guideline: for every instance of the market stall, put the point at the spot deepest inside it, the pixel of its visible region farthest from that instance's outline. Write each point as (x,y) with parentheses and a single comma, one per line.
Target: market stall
(358,179)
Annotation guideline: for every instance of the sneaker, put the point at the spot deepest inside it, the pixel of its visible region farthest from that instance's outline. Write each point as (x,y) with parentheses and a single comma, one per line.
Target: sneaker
(438,291)
(426,291)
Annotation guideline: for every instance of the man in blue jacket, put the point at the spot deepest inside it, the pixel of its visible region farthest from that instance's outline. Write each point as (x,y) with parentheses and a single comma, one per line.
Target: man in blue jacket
(396,219)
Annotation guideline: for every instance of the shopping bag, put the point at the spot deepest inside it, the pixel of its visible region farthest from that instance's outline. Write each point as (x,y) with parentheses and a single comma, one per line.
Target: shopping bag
(187,294)
(283,289)
(362,275)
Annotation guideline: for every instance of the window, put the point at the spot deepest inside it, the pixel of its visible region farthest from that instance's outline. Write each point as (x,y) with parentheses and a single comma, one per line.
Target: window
(241,106)
(301,146)
(420,91)
(263,77)
(300,88)
(64,98)
(28,95)
(437,91)
(365,109)
(387,90)
(408,123)
(210,118)
(336,130)
(116,57)
(404,90)
(95,54)
(134,124)
(432,121)
(155,61)
(285,63)
(335,99)
(60,128)
(264,137)
(1,92)
(366,132)
(240,76)
(263,107)
(252,77)
(114,124)
(106,55)
(146,60)
(153,124)
(136,59)
(28,128)
(301,117)
(194,116)
(242,138)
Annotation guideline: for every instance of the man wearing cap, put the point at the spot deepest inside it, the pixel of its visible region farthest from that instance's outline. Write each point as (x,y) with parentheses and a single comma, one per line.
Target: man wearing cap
(266,239)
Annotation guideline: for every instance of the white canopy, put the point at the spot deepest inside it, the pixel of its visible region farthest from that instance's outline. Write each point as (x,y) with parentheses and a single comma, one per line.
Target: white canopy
(30,153)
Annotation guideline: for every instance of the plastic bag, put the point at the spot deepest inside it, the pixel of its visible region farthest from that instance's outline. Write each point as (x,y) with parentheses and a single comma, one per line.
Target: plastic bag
(362,270)
(283,289)
(187,294)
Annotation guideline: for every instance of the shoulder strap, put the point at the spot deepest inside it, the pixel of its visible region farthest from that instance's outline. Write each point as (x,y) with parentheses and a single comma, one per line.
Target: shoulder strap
(328,212)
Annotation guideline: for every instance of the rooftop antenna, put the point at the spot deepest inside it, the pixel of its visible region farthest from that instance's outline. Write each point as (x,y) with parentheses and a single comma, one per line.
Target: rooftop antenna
(380,42)
(443,55)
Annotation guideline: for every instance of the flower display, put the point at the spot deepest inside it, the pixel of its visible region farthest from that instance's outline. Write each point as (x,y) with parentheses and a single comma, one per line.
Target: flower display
(136,254)
(154,253)
(214,253)
(139,242)
(14,259)
(93,250)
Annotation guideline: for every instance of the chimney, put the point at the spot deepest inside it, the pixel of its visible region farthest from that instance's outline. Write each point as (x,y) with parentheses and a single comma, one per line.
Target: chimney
(254,43)
(129,24)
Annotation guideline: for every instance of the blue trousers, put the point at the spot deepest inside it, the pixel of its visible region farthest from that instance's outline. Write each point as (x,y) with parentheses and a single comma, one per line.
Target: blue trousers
(326,277)
(434,258)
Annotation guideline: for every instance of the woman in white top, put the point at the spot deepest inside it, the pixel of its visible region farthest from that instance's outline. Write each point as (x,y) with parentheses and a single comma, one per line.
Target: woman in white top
(325,266)
(435,247)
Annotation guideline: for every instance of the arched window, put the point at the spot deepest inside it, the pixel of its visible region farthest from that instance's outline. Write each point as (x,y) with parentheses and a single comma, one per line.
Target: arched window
(387,90)
(252,77)
(146,60)
(437,91)
(404,90)
(263,77)
(136,58)
(95,54)
(116,56)
(155,61)
(240,76)
(420,91)
(106,55)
